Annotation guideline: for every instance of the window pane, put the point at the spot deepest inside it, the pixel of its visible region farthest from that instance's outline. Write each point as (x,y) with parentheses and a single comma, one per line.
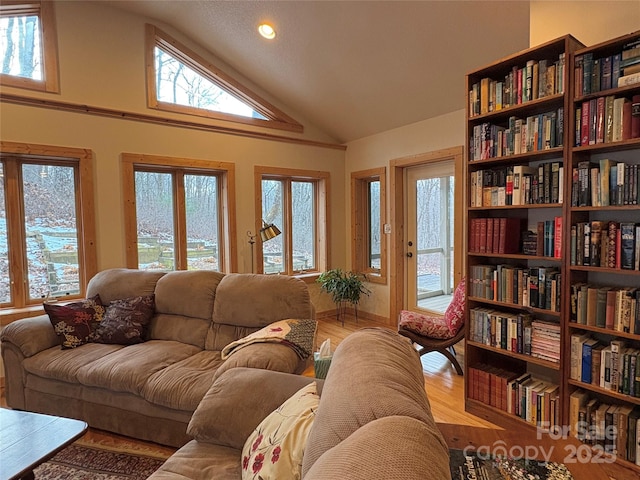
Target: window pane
(5,286)
(272,212)
(201,202)
(51,230)
(303,226)
(429,241)
(154,213)
(374,225)
(20,46)
(179,84)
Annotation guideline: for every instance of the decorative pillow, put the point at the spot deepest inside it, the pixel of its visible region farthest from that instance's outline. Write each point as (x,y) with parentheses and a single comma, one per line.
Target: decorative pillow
(454,315)
(74,323)
(438,326)
(433,326)
(275,448)
(125,321)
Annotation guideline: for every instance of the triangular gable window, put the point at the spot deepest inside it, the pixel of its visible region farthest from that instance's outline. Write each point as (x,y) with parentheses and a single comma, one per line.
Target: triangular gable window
(181,81)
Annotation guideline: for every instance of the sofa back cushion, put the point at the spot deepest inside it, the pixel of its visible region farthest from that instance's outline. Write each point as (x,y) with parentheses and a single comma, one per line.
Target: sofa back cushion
(246,302)
(374,373)
(119,283)
(184,306)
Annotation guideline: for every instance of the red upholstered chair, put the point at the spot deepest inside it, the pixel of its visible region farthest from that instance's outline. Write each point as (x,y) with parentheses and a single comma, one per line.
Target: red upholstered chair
(437,333)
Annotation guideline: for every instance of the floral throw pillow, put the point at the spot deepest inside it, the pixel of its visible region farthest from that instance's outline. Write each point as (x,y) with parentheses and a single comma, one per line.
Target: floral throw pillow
(275,448)
(125,321)
(74,323)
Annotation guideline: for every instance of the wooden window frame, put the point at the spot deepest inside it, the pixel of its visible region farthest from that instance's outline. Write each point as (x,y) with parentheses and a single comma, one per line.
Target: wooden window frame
(82,161)
(226,193)
(155,37)
(44,10)
(321,203)
(360,223)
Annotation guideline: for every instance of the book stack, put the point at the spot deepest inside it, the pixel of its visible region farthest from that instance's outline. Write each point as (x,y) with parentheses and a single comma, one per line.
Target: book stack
(536,287)
(520,135)
(614,428)
(545,340)
(612,308)
(604,184)
(518,185)
(612,366)
(595,74)
(504,330)
(495,235)
(488,385)
(607,119)
(536,79)
(606,244)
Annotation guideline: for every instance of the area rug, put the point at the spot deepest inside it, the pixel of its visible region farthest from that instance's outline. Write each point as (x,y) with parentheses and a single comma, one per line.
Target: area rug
(92,462)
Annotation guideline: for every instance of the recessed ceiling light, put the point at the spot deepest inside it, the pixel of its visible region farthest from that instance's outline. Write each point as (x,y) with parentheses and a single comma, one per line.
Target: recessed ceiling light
(267,31)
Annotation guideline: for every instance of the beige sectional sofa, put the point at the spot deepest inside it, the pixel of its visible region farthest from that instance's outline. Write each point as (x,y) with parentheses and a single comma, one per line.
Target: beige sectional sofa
(373,419)
(150,390)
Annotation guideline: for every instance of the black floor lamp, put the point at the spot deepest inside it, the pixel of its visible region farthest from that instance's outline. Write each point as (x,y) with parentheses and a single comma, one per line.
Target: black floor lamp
(267,232)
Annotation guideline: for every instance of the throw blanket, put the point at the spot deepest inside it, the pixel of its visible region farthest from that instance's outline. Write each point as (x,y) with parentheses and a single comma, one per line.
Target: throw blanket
(295,333)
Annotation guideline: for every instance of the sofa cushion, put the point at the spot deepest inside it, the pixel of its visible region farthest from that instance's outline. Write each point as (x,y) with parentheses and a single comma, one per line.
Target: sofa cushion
(184,306)
(118,283)
(183,384)
(128,369)
(75,322)
(64,365)
(417,454)
(201,461)
(235,395)
(346,403)
(275,448)
(125,321)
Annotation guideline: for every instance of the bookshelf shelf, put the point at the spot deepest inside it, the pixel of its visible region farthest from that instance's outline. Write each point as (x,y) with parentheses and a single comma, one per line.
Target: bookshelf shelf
(622,145)
(527,108)
(541,311)
(604,391)
(519,157)
(609,208)
(516,256)
(604,331)
(617,271)
(526,358)
(517,207)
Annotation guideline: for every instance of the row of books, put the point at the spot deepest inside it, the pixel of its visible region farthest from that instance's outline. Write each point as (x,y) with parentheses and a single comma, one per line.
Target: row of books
(607,119)
(523,395)
(614,428)
(516,332)
(536,79)
(518,185)
(531,134)
(606,183)
(536,287)
(595,74)
(612,366)
(606,244)
(607,307)
(495,235)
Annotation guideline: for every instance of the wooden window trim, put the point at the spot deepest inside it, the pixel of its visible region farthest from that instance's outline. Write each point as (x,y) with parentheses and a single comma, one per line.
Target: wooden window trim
(322,224)
(48,35)
(360,223)
(277,119)
(85,218)
(226,191)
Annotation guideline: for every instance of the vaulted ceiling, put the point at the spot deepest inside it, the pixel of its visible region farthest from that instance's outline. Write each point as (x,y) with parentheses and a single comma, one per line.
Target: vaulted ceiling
(352,68)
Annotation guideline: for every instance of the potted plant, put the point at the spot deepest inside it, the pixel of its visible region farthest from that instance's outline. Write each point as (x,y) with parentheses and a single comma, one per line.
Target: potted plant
(345,288)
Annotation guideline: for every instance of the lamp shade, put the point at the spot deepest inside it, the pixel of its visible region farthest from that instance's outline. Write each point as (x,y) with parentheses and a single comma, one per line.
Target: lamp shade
(267,232)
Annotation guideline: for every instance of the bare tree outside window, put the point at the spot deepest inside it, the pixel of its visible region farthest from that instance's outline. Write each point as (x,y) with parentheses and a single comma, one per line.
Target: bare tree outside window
(20,46)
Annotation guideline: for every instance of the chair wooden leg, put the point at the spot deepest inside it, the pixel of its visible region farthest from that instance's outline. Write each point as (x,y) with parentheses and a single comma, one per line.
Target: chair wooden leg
(453,360)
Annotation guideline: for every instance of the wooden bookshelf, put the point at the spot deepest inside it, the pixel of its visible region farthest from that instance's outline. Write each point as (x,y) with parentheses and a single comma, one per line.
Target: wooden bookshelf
(487,125)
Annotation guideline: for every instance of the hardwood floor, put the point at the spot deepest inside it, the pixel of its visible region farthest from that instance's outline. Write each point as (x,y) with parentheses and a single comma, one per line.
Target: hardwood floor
(443,386)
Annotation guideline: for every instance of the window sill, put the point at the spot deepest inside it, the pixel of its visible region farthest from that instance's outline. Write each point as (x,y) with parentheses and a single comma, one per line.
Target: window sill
(8,315)
(308,277)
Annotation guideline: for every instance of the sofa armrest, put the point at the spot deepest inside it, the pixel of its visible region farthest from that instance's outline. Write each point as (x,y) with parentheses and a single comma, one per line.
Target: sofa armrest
(267,356)
(30,335)
(238,401)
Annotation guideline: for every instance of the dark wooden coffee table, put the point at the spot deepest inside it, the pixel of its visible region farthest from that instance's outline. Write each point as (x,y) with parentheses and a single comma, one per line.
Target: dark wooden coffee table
(578,458)
(29,439)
